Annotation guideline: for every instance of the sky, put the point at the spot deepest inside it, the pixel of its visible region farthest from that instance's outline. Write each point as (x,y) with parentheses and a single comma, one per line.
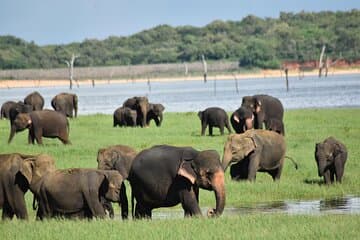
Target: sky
(65,21)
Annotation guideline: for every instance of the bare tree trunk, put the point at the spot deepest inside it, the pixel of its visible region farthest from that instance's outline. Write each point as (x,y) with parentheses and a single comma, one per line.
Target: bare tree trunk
(236,84)
(186,69)
(287,79)
(205,67)
(321,63)
(70,65)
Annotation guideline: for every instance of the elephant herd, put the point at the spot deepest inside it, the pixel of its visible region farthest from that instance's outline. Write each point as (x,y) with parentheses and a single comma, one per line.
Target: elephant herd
(253,150)
(137,111)
(159,176)
(29,114)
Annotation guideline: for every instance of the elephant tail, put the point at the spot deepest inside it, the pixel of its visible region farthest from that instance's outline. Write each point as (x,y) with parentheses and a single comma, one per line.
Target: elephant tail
(293,161)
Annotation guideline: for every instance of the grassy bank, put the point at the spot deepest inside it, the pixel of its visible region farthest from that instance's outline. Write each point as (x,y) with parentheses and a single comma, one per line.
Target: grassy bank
(303,129)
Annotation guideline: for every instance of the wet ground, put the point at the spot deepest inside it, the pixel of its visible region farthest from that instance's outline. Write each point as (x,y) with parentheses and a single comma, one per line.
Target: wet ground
(338,205)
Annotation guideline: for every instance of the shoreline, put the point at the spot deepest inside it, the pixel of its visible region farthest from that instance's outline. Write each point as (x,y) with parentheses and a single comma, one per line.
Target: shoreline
(228,76)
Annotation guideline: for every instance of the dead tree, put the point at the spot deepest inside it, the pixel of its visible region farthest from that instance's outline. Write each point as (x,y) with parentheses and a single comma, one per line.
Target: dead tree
(321,62)
(70,65)
(236,84)
(186,69)
(287,79)
(205,67)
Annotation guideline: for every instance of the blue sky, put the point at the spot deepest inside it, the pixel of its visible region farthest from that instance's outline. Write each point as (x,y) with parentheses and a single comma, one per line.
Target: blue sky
(65,21)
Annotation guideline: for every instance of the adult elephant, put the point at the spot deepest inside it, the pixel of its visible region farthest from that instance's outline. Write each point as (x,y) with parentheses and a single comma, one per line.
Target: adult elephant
(254,151)
(331,156)
(155,113)
(124,116)
(242,119)
(66,103)
(264,108)
(5,109)
(35,100)
(141,106)
(163,176)
(19,107)
(14,184)
(120,158)
(45,123)
(214,117)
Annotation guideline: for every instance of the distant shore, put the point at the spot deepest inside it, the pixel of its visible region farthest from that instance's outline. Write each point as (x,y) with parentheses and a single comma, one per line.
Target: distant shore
(228,76)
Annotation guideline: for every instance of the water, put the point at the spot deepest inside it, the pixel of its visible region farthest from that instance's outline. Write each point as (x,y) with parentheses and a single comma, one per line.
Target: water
(339,205)
(192,96)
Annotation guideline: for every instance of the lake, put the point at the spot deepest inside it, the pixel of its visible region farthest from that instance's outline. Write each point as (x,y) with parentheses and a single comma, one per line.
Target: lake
(192,96)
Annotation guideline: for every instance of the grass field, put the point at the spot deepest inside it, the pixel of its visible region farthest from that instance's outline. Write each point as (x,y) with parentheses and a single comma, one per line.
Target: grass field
(303,129)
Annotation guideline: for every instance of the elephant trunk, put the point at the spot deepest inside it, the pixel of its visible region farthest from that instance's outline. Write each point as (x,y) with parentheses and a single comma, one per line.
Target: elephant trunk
(144,111)
(227,157)
(12,133)
(218,184)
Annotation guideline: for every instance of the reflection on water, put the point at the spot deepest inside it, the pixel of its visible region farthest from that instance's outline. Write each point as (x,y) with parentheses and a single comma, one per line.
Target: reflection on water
(339,205)
(192,96)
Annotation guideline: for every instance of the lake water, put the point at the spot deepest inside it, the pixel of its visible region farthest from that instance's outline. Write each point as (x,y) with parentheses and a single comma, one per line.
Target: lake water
(192,96)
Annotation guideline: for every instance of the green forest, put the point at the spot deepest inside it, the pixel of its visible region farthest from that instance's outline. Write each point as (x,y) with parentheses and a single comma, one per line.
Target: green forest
(253,42)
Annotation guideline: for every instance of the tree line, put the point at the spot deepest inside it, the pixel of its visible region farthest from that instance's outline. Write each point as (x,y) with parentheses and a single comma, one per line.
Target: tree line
(253,42)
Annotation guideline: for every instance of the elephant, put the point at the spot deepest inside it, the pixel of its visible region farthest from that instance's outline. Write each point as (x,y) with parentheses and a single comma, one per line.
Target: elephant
(35,100)
(5,109)
(76,193)
(45,123)
(163,176)
(141,106)
(14,184)
(124,116)
(264,108)
(214,117)
(155,113)
(19,107)
(331,156)
(66,103)
(117,157)
(242,119)
(256,150)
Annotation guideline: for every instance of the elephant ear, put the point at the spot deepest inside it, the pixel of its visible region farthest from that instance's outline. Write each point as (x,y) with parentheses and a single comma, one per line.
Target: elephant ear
(186,170)
(26,169)
(242,146)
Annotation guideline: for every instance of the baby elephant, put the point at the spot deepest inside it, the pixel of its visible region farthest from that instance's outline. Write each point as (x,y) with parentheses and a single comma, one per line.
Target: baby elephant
(214,117)
(330,157)
(77,192)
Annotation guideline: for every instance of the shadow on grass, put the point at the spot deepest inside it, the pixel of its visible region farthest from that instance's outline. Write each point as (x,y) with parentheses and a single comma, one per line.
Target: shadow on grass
(314,181)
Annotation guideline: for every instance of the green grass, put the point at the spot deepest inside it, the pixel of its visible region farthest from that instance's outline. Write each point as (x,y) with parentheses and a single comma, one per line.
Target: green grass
(303,129)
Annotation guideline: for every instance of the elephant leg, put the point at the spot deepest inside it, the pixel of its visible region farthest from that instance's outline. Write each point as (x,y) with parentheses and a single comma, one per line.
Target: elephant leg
(327,177)
(31,137)
(94,204)
(189,202)
(332,176)
(339,168)
(124,202)
(276,173)
(253,167)
(63,136)
(221,129)
(210,130)
(228,127)
(203,127)
(38,136)
(7,212)
(142,212)
(107,206)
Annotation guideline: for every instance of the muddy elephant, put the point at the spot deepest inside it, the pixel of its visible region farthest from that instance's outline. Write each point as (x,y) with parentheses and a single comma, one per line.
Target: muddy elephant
(242,119)
(14,184)
(155,113)
(35,100)
(214,117)
(254,151)
(264,108)
(66,103)
(120,158)
(76,193)
(45,123)
(164,176)
(124,116)
(141,106)
(330,156)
